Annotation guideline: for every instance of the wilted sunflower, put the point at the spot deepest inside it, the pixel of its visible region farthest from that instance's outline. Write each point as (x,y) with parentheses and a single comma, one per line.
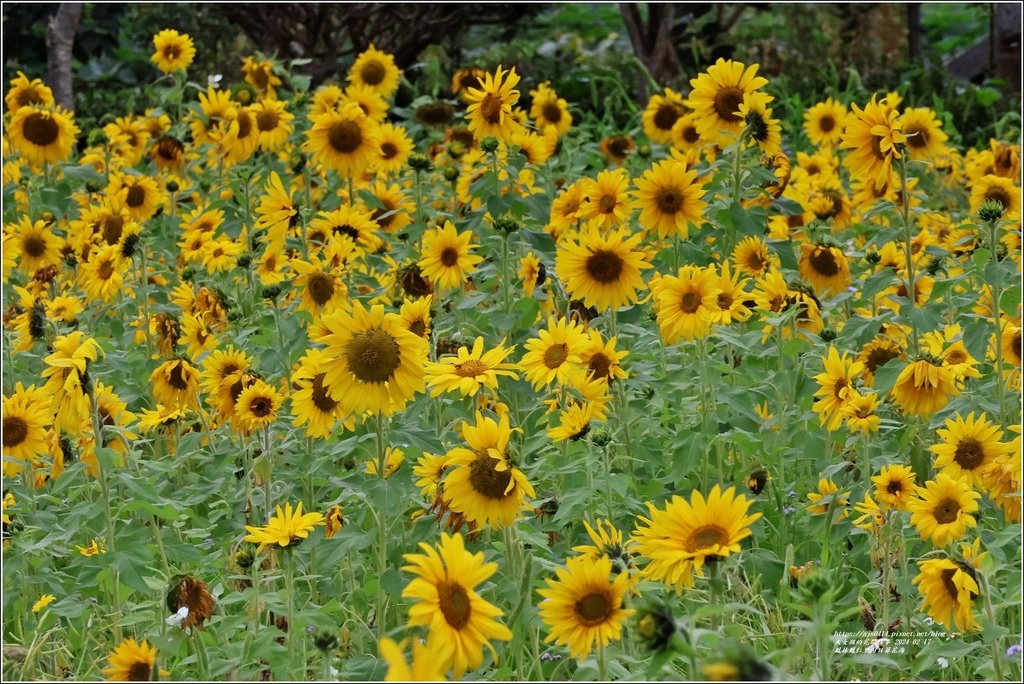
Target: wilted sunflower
(376,70)
(872,136)
(716,98)
(481,483)
(686,302)
(604,270)
(670,199)
(174,51)
(347,141)
(467,371)
(194,594)
(286,529)
(894,486)
(446,258)
(554,355)
(372,362)
(461,622)
(824,122)
(42,134)
(661,114)
(968,448)
(682,538)
(257,405)
(24,92)
(131,662)
(923,388)
(584,606)
(425,665)
(549,110)
(942,510)
(490,109)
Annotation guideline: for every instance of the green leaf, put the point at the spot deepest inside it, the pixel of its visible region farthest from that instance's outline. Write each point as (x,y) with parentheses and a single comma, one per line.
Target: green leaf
(885,376)
(975,338)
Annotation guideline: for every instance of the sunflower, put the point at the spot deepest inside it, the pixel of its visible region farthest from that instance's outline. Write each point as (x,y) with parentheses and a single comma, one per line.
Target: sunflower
(481,483)
(682,538)
(601,359)
(137,134)
(968,448)
(716,99)
(194,595)
(372,362)
(285,529)
(37,244)
(464,79)
(872,134)
(376,70)
(140,194)
(584,606)
(424,668)
(196,336)
(396,210)
(241,135)
(461,622)
(670,199)
(429,469)
(373,105)
(395,148)
(312,404)
(942,510)
(351,221)
(278,213)
(468,371)
(949,588)
(416,315)
(24,92)
(174,51)
(101,277)
(131,662)
(43,135)
(65,372)
(1002,190)
(730,304)
(554,354)
(752,258)
(26,416)
(661,114)
(925,139)
(535,148)
(446,258)
(686,304)
(393,459)
(176,383)
(828,489)
(549,110)
(573,422)
(823,123)
(323,290)
(347,141)
(273,123)
(860,413)
(835,387)
(616,148)
(764,130)
(607,542)
(894,486)
(825,267)
(257,405)
(208,125)
(260,75)
(604,270)
(222,378)
(875,354)
(490,108)
(924,387)
(221,254)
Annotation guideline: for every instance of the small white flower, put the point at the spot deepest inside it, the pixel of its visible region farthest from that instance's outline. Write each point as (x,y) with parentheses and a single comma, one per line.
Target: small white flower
(214,80)
(943,663)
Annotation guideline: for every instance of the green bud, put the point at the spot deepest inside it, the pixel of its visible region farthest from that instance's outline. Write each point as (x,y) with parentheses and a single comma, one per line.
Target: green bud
(92,186)
(271,292)
(489,144)
(325,641)
(188,273)
(991,210)
(420,162)
(71,259)
(507,225)
(451,173)
(297,163)
(828,334)
(814,585)
(244,260)
(644,151)
(172,186)
(600,437)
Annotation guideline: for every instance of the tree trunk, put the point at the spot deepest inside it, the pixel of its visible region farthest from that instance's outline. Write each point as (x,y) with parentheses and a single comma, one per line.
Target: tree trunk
(60,38)
(914,31)
(653,43)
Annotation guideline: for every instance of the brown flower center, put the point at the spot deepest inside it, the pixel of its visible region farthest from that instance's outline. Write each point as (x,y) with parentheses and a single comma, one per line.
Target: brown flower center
(556,355)
(690,134)
(955,356)
(40,129)
(321,398)
(604,266)
(15,431)
(176,378)
(105,269)
(838,387)
(593,609)
(267,120)
(690,302)
(345,137)
(947,582)
(244,125)
(139,672)
(946,512)
(112,229)
(894,488)
(619,146)
(725,301)
(919,140)
(880,356)
(136,196)
(727,102)
(669,200)
(490,109)
(876,147)
(471,368)
(34,245)
(826,123)
(486,480)
(454,603)
(998,194)
(378,214)
(449,257)
(373,72)
(666,116)
(261,407)
(706,537)
(600,365)
(551,112)
(607,204)
(969,453)
(373,356)
(388,150)
(320,287)
(29,97)
(261,77)
(824,262)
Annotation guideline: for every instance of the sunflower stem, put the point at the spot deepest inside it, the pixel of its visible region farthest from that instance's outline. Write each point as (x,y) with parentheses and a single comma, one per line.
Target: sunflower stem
(202,658)
(713,586)
(995,287)
(101,473)
(987,594)
(908,238)
(602,664)
(143,282)
(289,581)
(382,531)
(268,482)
